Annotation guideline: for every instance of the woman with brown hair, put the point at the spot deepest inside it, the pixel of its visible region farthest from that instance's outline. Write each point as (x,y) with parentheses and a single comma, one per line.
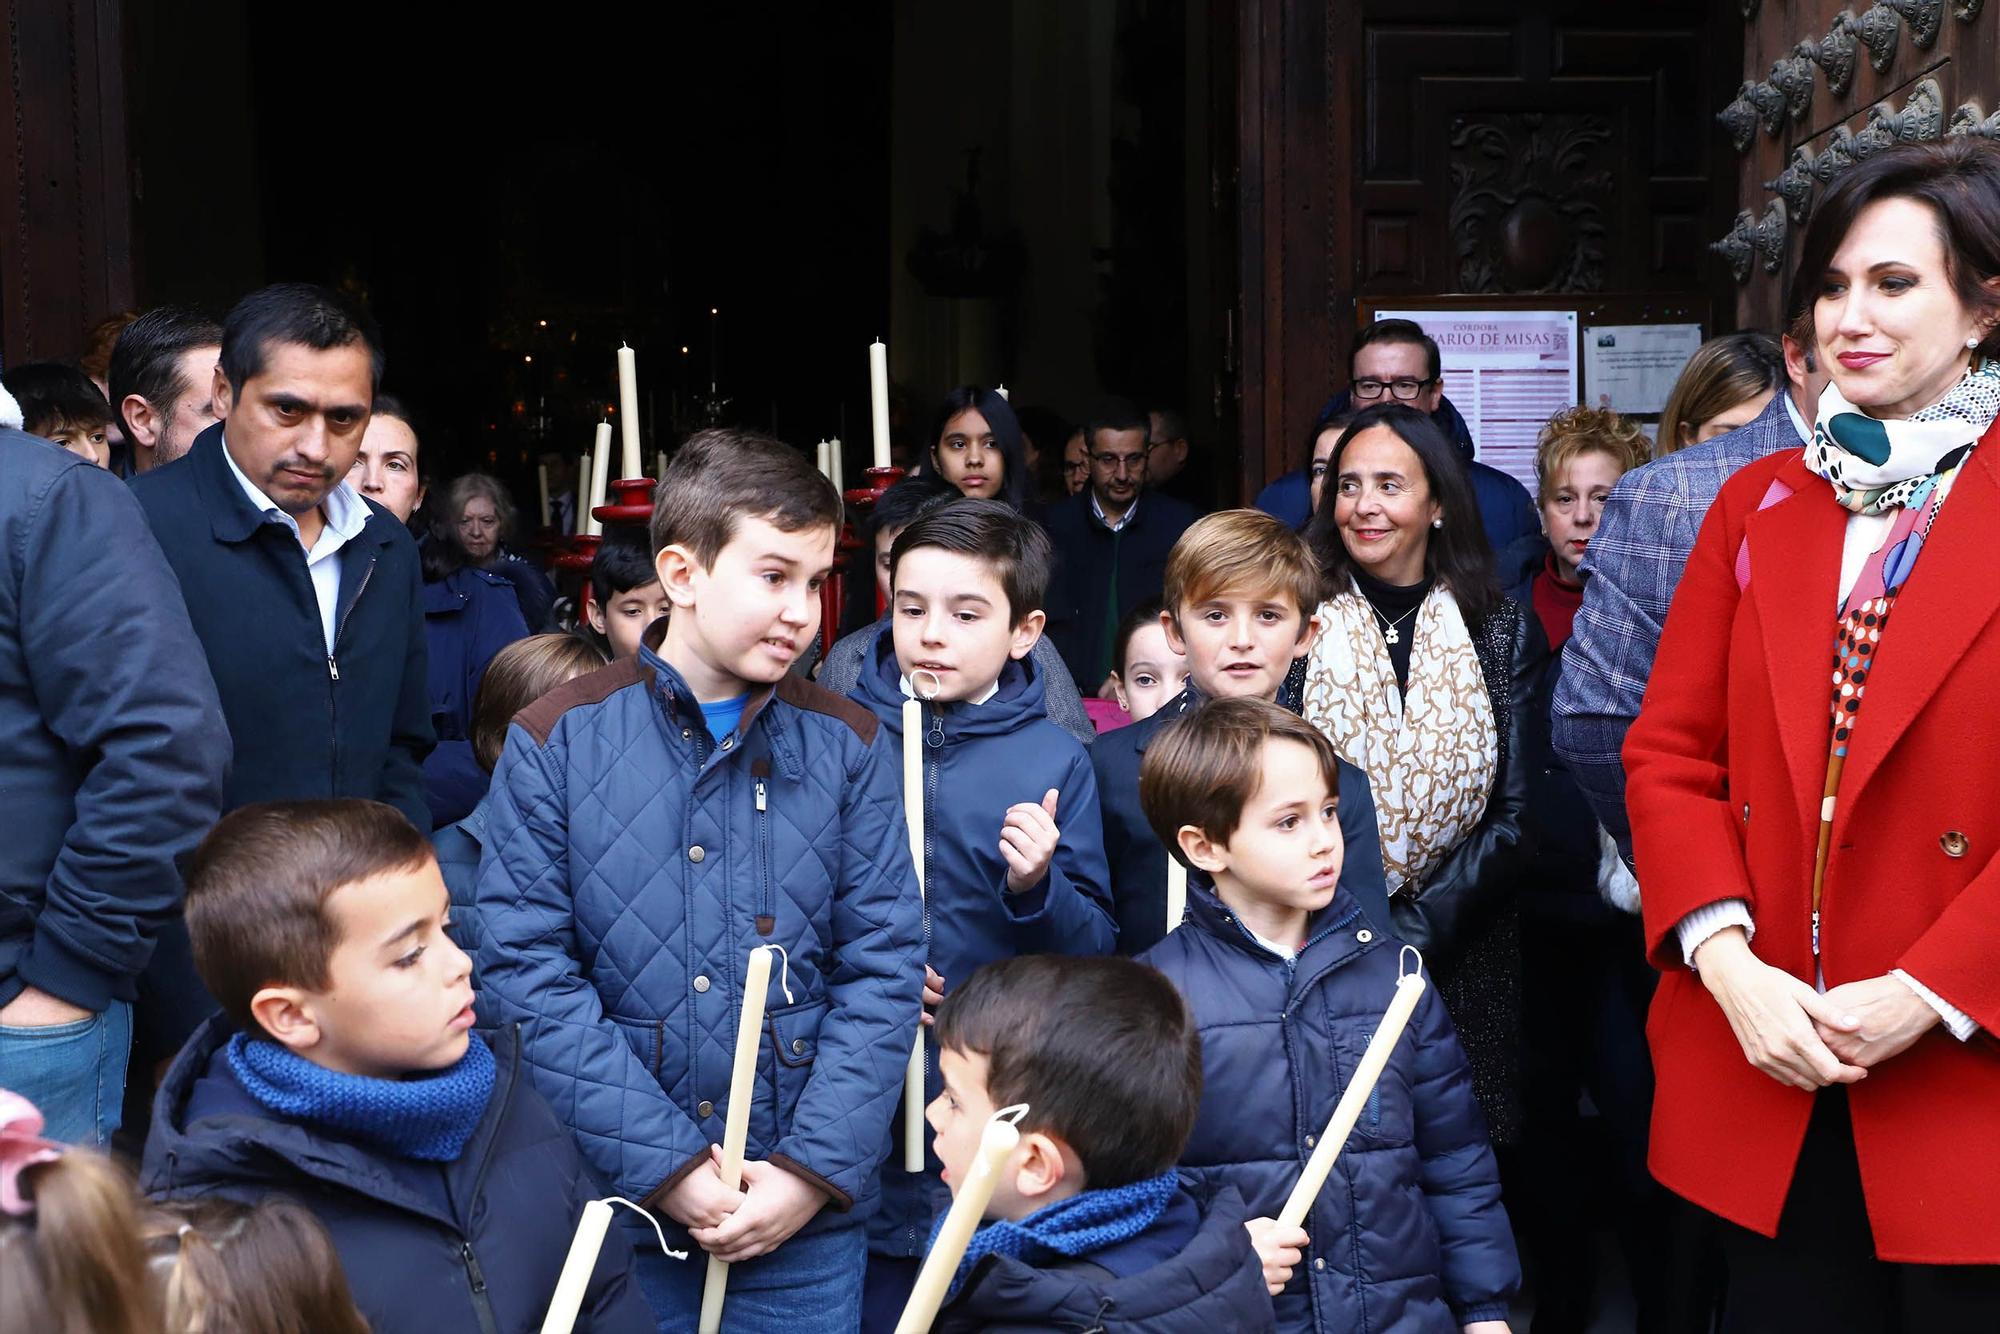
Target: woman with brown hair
(1815,794)
(1725,384)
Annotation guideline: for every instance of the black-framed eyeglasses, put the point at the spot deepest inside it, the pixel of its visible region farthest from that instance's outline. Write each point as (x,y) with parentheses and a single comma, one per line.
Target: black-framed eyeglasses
(1403,390)
(1116,461)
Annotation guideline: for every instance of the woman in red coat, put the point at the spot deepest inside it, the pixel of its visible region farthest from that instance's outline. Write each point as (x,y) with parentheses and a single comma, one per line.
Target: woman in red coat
(1815,793)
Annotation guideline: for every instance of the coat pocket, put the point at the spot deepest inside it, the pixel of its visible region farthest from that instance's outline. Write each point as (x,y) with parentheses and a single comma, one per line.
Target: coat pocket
(793,1033)
(1388,1117)
(647,1037)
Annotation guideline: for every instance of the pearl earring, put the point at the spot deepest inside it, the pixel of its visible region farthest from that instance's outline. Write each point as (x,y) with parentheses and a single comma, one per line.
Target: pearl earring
(1437,523)
(1972,341)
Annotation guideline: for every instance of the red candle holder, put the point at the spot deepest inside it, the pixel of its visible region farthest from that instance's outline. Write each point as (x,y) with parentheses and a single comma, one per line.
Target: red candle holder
(577,552)
(634,503)
(832,593)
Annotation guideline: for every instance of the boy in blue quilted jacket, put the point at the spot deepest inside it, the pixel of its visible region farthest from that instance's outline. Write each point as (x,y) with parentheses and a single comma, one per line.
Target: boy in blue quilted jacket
(1013,856)
(650,825)
(1288,981)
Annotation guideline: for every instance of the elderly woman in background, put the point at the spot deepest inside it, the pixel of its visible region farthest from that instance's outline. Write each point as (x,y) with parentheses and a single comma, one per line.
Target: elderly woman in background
(1425,676)
(1726,383)
(1815,794)
(472,532)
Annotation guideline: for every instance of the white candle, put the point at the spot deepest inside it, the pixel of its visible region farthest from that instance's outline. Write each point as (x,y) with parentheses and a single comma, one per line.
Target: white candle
(581,521)
(542,476)
(834,457)
(1409,990)
(736,1121)
(878,399)
(600,470)
(628,410)
(660,465)
(913,815)
(996,1144)
(1002,391)
(820,461)
(577,1268)
(1176,892)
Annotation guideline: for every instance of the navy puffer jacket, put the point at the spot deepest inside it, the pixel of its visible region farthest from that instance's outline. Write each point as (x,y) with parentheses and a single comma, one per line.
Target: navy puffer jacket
(631,863)
(1408,1233)
(475,1244)
(979,759)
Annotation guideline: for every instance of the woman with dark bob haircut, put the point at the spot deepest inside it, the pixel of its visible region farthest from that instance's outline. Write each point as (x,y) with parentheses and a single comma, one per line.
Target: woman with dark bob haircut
(975,444)
(1814,784)
(1425,677)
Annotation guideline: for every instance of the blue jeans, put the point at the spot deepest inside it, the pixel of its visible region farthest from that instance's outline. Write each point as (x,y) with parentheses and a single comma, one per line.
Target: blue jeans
(75,1073)
(811,1283)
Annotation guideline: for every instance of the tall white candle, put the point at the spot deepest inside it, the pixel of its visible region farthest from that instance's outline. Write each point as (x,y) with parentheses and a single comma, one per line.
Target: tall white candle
(996,1144)
(600,470)
(628,410)
(659,465)
(736,1122)
(820,461)
(913,816)
(878,399)
(835,457)
(542,476)
(577,1268)
(580,522)
(1409,990)
(1176,893)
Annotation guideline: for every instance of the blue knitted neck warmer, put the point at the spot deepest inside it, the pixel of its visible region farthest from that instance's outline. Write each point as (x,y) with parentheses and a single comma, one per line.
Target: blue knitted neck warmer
(1075,1226)
(428,1118)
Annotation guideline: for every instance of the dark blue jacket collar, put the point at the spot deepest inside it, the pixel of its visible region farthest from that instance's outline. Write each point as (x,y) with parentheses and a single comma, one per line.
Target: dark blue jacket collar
(1332,933)
(231,516)
(1020,699)
(763,729)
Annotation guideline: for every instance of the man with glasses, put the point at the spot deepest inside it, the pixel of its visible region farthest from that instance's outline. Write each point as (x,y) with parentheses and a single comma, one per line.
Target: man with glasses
(1111,540)
(1174,467)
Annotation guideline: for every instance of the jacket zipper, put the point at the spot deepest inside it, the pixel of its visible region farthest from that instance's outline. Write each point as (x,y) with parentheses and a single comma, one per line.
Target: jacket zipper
(333,676)
(765,900)
(482,1305)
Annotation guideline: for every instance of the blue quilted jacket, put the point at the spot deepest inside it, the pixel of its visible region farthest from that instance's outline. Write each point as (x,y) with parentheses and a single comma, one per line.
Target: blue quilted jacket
(1408,1234)
(979,760)
(632,861)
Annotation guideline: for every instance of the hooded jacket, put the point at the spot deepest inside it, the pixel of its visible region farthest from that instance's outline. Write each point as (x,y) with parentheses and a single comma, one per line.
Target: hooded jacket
(475,1244)
(980,759)
(1408,1234)
(1159,1282)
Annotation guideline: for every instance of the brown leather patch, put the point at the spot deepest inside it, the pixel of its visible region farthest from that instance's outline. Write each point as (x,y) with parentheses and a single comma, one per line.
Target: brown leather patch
(541,717)
(801,693)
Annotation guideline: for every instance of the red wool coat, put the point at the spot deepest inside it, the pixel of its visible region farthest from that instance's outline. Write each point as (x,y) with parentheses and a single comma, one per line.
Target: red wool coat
(1725,766)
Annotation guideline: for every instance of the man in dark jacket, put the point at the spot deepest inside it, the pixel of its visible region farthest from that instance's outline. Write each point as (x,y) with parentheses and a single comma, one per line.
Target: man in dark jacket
(112,758)
(1112,540)
(305,597)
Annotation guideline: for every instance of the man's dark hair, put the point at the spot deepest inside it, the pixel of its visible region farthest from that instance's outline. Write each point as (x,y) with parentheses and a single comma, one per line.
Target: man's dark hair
(1015,548)
(146,360)
(621,565)
(1457,555)
(299,313)
(723,476)
(1102,1051)
(1399,331)
(258,884)
(1113,414)
(1173,423)
(53,395)
(915,495)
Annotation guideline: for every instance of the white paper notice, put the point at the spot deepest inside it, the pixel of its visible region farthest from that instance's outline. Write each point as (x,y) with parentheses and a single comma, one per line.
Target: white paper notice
(1632,367)
(1507,372)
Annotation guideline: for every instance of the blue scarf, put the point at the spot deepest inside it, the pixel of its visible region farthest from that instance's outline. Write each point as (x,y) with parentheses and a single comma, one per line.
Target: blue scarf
(1075,1226)
(428,1118)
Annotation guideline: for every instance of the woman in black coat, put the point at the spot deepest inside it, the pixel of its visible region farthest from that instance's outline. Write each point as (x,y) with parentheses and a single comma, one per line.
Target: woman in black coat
(1426,678)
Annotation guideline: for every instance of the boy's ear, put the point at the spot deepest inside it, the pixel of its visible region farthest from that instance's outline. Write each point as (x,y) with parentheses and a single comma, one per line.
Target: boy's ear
(1042,1164)
(676,568)
(1308,634)
(1172,625)
(592,612)
(286,1015)
(1026,633)
(1201,851)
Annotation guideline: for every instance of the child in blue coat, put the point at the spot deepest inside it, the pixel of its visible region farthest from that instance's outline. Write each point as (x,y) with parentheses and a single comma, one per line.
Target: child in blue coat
(1013,857)
(1288,981)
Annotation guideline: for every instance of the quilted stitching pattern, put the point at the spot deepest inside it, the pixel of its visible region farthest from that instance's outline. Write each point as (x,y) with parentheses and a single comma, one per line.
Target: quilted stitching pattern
(623,957)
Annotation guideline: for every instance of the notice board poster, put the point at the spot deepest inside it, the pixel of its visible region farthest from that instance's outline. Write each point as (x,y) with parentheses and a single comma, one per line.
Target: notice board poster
(1507,372)
(1632,367)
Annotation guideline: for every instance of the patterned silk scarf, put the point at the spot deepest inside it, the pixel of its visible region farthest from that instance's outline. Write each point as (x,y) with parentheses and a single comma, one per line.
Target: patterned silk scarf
(1878,465)
(1429,753)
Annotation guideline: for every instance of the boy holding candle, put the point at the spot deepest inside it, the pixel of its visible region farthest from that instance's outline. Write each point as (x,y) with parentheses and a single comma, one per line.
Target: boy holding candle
(1013,857)
(1239,592)
(342,1073)
(1089,1225)
(651,823)
(1287,982)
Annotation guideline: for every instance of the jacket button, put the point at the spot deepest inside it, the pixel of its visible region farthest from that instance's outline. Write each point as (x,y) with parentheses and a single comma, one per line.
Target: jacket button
(1364,935)
(798,1046)
(1311,1140)
(1319,1263)
(695,853)
(701,982)
(687,734)
(705,1108)
(1954,844)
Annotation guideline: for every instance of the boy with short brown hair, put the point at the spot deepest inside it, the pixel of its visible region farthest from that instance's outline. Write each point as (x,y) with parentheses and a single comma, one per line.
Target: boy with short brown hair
(1240,596)
(343,1073)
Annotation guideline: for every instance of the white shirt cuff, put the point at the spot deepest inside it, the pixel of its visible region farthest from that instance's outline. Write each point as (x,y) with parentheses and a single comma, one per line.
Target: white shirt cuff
(1704,922)
(1956,1020)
